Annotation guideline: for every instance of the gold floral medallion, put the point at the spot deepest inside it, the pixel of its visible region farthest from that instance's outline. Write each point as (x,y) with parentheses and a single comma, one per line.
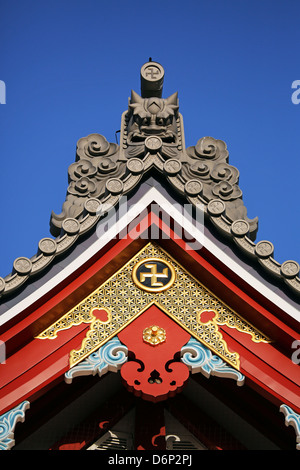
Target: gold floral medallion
(154,335)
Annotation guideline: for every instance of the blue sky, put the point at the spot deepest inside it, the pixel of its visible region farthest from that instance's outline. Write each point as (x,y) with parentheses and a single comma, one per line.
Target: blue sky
(69,67)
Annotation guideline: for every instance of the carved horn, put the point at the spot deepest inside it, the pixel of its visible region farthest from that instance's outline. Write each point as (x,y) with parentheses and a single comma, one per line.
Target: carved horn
(173,99)
(135,98)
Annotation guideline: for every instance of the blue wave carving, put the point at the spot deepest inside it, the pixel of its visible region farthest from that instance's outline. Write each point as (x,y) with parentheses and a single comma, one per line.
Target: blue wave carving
(8,423)
(198,358)
(292,419)
(109,357)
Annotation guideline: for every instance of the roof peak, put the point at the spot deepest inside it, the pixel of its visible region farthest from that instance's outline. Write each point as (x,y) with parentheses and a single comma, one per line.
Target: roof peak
(152,137)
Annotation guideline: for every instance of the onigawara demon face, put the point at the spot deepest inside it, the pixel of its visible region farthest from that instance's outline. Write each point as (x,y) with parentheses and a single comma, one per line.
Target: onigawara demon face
(152,116)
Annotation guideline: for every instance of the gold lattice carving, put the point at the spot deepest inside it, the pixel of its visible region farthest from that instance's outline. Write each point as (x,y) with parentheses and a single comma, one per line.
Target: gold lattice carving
(125,301)
(83,313)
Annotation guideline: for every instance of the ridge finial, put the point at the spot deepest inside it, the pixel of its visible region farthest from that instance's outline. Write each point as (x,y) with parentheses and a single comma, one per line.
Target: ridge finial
(152,79)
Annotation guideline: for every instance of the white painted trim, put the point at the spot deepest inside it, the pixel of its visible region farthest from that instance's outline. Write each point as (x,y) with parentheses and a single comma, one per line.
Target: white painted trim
(153,195)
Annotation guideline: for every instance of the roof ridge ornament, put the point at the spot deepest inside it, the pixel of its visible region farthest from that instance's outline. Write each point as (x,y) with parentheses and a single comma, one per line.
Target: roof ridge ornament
(151,136)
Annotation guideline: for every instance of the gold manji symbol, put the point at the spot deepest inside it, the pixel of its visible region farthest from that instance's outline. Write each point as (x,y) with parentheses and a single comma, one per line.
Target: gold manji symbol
(153,275)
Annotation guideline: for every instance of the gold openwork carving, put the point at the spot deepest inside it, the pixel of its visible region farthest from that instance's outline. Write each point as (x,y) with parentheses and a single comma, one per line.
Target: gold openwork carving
(83,313)
(182,301)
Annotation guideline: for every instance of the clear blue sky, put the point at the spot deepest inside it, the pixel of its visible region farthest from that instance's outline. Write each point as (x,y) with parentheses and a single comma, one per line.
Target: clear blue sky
(69,67)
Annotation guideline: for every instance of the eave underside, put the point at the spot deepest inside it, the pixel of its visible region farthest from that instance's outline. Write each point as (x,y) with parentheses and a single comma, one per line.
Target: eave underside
(218,415)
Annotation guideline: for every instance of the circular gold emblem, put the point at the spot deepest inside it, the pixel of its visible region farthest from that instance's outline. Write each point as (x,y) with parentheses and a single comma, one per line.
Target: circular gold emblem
(153,275)
(154,335)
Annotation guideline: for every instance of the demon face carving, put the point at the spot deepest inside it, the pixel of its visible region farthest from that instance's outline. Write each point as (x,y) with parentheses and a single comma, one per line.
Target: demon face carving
(153,116)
